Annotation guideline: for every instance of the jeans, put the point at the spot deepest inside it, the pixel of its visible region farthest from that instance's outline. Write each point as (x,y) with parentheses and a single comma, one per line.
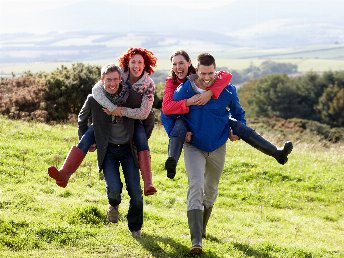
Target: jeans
(87,140)
(122,155)
(140,137)
(179,129)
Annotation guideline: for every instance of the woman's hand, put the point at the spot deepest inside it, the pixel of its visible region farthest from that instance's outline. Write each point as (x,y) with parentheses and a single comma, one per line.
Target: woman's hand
(191,101)
(116,112)
(204,97)
(200,99)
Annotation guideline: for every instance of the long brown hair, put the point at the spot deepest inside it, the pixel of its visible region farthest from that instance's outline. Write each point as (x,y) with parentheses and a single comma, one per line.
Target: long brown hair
(191,69)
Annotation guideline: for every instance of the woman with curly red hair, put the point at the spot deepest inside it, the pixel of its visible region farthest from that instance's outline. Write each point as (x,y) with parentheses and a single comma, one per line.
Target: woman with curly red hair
(137,65)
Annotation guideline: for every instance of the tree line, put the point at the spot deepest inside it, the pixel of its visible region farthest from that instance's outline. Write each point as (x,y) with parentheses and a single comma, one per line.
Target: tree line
(57,96)
(318,97)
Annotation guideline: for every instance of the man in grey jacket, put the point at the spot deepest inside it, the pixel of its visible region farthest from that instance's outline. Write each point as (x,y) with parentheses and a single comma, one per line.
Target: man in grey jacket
(114,139)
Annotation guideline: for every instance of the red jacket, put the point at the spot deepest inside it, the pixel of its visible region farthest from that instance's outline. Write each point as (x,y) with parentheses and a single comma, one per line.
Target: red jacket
(169,106)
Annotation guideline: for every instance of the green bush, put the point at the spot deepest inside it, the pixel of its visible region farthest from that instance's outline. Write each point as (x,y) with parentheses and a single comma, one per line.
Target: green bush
(67,89)
(312,97)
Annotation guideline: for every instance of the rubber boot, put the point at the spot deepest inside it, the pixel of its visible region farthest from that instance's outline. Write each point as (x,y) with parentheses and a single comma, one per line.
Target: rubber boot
(257,141)
(206,216)
(280,154)
(175,147)
(195,220)
(71,164)
(146,172)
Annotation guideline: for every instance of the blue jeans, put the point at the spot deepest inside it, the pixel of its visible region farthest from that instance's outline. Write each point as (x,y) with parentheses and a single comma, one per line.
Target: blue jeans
(87,140)
(122,155)
(179,129)
(177,138)
(140,138)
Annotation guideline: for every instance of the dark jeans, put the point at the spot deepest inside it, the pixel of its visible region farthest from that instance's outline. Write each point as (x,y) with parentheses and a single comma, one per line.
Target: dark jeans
(87,140)
(179,129)
(116,156)
(140,138)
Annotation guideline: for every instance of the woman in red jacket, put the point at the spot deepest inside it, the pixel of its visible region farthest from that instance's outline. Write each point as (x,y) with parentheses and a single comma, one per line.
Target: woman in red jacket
(181,68)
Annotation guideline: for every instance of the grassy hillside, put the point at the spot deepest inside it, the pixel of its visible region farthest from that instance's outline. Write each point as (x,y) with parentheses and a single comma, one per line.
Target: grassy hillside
(263,209)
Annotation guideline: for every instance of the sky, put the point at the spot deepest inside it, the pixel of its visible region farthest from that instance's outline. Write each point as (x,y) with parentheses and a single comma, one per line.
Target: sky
(29,15)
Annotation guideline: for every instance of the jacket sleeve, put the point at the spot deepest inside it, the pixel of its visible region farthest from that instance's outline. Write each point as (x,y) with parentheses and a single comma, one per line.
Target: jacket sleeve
(146,105)
(222,80)
(183,91)
(84,115)
(170,106)
(236,110)
(99,95)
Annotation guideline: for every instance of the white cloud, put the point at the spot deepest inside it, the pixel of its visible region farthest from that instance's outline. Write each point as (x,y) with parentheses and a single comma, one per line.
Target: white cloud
(23,7)
(194,4)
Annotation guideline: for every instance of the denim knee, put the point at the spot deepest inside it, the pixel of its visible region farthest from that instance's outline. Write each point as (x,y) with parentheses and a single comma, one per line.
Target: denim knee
(140,137)
(87,140)
(179,129)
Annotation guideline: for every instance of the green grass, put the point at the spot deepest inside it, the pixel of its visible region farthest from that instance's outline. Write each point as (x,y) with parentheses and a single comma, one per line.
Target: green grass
(263,209)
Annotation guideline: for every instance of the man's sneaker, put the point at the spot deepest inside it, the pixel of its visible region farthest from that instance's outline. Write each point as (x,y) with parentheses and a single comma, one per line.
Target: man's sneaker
(136,234)
(196,250)
(113,214)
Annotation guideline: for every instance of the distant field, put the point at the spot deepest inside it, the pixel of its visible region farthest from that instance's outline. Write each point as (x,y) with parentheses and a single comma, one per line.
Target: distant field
(304,64)
(312,58)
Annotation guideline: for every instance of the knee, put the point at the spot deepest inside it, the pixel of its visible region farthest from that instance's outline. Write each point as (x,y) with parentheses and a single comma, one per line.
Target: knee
(86,141)
(179,129)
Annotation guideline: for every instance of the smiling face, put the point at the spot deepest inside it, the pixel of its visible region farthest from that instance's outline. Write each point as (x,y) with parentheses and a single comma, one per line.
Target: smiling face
(111,82)
(206,75)
(180,66)
(136,66)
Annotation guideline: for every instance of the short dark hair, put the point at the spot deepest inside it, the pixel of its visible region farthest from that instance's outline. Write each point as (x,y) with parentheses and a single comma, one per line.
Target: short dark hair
(110,68)
(206,59)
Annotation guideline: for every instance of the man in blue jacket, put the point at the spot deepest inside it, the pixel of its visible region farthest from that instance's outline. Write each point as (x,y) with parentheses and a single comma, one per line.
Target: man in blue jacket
(204,155)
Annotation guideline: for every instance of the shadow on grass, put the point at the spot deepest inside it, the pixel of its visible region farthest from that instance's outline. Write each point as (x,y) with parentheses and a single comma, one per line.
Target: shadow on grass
(249,251)
(213,239)
(162,247)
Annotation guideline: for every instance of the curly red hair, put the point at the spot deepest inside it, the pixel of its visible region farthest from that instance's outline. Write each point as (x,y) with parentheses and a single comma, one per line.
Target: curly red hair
(148,57)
